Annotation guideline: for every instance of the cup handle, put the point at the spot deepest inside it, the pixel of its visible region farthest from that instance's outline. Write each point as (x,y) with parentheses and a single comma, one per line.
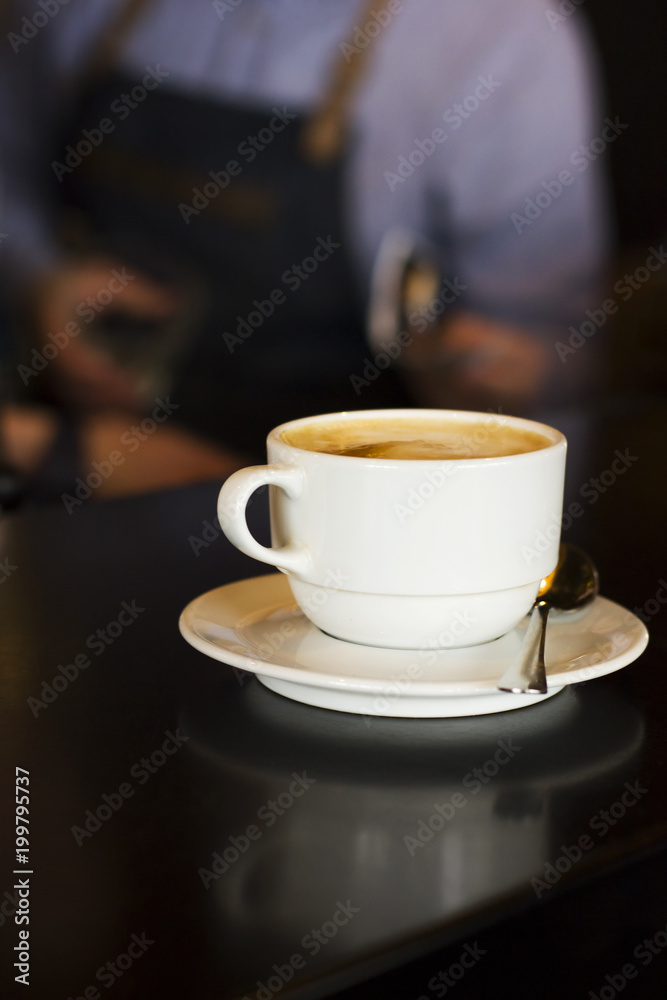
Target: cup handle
(233,500)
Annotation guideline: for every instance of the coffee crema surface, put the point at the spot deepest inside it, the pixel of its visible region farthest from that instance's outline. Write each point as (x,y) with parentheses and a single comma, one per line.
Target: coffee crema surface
(415,439)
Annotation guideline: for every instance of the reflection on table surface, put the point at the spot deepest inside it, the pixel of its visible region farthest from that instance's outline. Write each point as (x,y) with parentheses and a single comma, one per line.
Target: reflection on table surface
(382,786)
(416,822)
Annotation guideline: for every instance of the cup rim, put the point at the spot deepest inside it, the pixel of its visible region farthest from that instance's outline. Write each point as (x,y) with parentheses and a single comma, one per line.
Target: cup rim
(557,438)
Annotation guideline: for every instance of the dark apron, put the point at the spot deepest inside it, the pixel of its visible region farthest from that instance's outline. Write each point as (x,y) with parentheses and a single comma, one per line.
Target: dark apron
(280,327)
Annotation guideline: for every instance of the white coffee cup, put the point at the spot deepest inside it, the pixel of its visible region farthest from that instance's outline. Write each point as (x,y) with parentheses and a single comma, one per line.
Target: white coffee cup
(408,552)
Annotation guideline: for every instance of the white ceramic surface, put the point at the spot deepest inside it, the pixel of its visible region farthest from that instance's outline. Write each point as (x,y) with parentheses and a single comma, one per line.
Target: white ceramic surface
(256,625)
(407,554)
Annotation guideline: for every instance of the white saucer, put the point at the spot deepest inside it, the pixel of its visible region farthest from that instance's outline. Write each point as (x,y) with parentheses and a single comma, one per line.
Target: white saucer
(256,625)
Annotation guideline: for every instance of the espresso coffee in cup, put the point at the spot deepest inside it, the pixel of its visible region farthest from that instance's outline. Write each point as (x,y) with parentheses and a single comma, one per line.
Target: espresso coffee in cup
(413,439)
(408,528)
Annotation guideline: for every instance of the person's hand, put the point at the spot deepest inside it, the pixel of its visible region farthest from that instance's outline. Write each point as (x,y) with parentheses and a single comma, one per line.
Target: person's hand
(166,458)
(473,362)
(68,303)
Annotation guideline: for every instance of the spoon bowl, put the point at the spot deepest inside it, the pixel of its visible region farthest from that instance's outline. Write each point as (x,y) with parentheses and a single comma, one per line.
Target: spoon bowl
(573,584)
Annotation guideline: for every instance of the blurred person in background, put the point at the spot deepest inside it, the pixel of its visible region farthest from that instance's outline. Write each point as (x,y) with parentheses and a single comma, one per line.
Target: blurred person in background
(195,197)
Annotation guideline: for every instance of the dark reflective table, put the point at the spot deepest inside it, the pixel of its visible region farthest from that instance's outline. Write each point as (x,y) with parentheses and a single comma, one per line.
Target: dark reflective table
(194,835)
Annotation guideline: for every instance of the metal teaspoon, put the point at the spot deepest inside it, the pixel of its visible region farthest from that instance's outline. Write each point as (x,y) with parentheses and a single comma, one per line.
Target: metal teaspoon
(572,584)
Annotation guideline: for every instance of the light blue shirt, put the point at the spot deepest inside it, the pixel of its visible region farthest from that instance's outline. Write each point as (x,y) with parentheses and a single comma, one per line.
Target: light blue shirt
(466,116)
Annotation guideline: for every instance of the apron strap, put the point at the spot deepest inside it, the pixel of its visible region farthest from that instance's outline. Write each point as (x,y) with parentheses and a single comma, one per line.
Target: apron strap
(104,54)
(324,136)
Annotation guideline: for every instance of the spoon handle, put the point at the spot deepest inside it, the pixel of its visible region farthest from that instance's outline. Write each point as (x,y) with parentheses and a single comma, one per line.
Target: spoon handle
(527,674)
